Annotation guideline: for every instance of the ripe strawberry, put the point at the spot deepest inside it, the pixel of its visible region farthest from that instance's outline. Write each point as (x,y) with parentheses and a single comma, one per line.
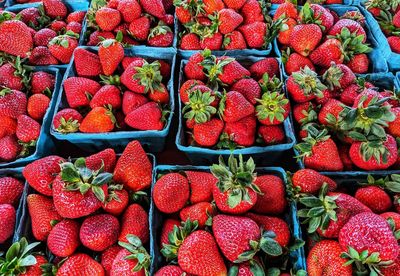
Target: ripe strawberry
(129,9)
(15,38)
(116,202)
(142,77)
(36,269)
(212,42)
(236,107)
(160,95)
(249,88)
(42,82)
(77,88)
(87,64)
(111,53)
(201,185)
(99,232)
(67,120)
(11,77)
(155,8)
(186,89)
(241,133)
(304,86)
(375,198)
(7,218)
(328,52)
(339,76)
(135,222)
(37,106)
(108,96)
(41,56)
(160,36)
(74,27)
(272,109)
(171,192)
(81,264)
(76,16)
(310,182)
(286,30)
(55,8)
(318,14)
(8,126)
(359,64)
(140,28)
(106,158)
(62,47)
(268,66)
(94,38)
(391,270)
(394,42)
(190,41)
(287,9)
(272,199)
(131,101)
(63,239)
(98,120)
(128,60)
(329,113)
(254,34)
(360,233)
(252,12)
(9,148)
(10,190)
(229,20)
(107,19)
(351,25)
(271,135)
(108,257)
(295,62)
(28,130)
(58,26)
(325,259)
(12,103)
(43,37)
(207,134)
(393,128)
(234,41)
(305,38)
(146,117)
(274,224)
(30,16)
(172,270)
(201,212)
(168,227)
(193,68)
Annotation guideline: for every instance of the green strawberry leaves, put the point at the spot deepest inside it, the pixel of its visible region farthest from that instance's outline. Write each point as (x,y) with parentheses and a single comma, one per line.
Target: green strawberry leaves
(138,252)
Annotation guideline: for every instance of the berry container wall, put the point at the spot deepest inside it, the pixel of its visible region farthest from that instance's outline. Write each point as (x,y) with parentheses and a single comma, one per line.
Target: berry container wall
(382,80)
(377,64)
(152,141)
(398,79)
(12,3)
(264,155)
(392,58)
(297,258)
(23,226)
(44,144)
(17,173)
(72,5)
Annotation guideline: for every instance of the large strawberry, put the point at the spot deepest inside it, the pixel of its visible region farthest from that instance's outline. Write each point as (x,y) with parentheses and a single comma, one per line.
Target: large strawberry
(135,221)
(15,38)
(63,239)
(304,85)
(80,264)
(77,90)
(305,38)
(111,53)
(63,46)
(10,190)
(12,103)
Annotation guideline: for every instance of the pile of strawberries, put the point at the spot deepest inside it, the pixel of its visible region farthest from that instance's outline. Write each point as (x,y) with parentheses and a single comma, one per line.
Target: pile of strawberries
(141,22)
(353,225)
(316,36)
(11,188)
(227,105)
(387,13)
(24,99)
(226,219)
(46,35)
(86,206)
(100,101)
(224,24)
(345,122)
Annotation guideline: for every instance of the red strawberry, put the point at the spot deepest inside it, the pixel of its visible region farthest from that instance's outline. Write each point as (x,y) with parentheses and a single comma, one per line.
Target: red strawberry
(10,190)
(76,16)
(77,89)
(272,109)
(131,101)
(87,64)
(272,199)
(339,76)
(107,158)
(108,96)
(135,222)
(146,117)
(81,264)
(375,198)
(41,56)
(67,120)
(58,26)
(193,69)
(98,120)
(254,33)
(186,88)
(241,132)
(351,25)
(107,19)
(160,36)
(9,148)
(28,130)
(328,52)
(35,270)
(133,169)
(271,135)
(154,7)
(12,103)
(394,42)
(207,134)
(286,31)
(7,217)
(8,126)
(213,42)
(304,85)
(12,78)
(201,185)
(94,38)
(171,192)
(236,107)
(129,9)
(42,82)
(229,20)
(62,47)
(234,41)
(15,38)
(108,257)
(305,38)
(99,232)
(171,270)
(359,64)
(252,12)
(160,95)
(37,106)
(63,239)
(288,9)
(74,27)
(295,62)
(55,8)
(30,16)
(329,113)
(168,227)
(116,202)
(41,173)
(111,54)
(128,60)
(140,28)
(142,77)
(263,66)
(190,41)
(310,182)
(201,212)
(249,88)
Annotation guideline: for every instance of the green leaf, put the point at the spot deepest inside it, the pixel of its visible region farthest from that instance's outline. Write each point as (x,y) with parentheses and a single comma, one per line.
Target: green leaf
(28,261)
(99,193)
(270,246)
(102,179)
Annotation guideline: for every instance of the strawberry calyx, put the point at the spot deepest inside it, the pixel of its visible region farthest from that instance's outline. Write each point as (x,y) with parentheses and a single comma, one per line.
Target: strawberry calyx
(111,80)
(214,67)
(390,183)
(18,257)
(374,149)
(5,16)
(160,29)
(62,40)
(4,91)
(272,106)
(314,136)
(236,178)
(22,72)
(50,269)
(392,226)
(307,16)
(68,126)
(176,238)
(26,147)
(77,177)
(332,77)
(112,195)
(309,82)
(139,253)
(149,76)
(226,141)
(273,29)
(199,107)
(111,41)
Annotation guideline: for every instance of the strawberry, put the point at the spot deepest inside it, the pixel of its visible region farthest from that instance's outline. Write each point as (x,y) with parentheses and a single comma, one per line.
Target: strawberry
(98,120)
(171,192)
(375,198)
(286,30)
(394,42)
(62,47)
(131,101)
(393,128)
(167,228)
(296,62)
(287,9)
(111,54)
(11,77)
(107,19)
(28,130)
(41,56)
(273,108)
(146,117)
(229,20)
(190,41)
(37,106)
(319,151)
(77,89)
(268,66)
(117,201)
(74,27)
(241,133)
(127,261)
(212,42)
(305,38)
(135,222)
(12,103)
(236,107)
(254,34)
(234,41)
(42,212)
(15,38)
(212,6)
(207,134)
(108,96)
(194,68)
(10,190)
(94,38)
(8,126)
(339,76)
(128,60)
(42,82)
(186,88)
(249,88)
(317,14)
(271,135)
(108,257)
(272,198)
(328,52)
(30,16)
(201,212)
(304,85)
(9,148)
(329,113)
(359,64)
(99,232)
(7,217)
(223,194)
(140,28)
(154,7)
(160,36)
(106,158)
(43,37)
(129,9)
(172,270)
(142,77)
(391,270)
(76,16)
(81,264)
(41,173)
(360,233)
(325,259)
(67,120)
(36,269)
(160,95)
(351,25)
(310,182)
(63,239)
(252,12)
(55,8)
(201,185)
(58,26)
(87,64)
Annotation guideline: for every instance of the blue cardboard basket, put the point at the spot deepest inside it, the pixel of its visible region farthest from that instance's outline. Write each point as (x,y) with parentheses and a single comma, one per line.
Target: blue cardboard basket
(392,58)
(44,144)
(261,154)
(384,80)
(398,79)
(10,3)
(377,64)
(72,5)
(297,258)
(152,140)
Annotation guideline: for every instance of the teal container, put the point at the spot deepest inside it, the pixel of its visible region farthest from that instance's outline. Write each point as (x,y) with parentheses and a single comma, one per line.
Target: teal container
(152,140)
(44,144)
(265,155)
(10,3)
(297,258)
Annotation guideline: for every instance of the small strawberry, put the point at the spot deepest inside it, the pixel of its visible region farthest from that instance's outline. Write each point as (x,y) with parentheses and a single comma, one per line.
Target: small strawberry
(212,42)
(108,257)
(271,135)
(146,117)
(154,7)
(77,90)
(67,120)
(190,41)
(98,120)
(12,103)
(229,20)
(201,185)
(140,28)
(286,30)
(310,182)
(359,64)
(37,106)
(207,134)
(107,96)
(11,76)
(142,77)
(131,101)
(55,8)
(201,212)
(28,129)
(63,239)
(76,16)
(235,107)
(351,25)
(87,64)
(10,190)
(296,62)
(117,200)
(240,133)
(167,228)
(7,218)
(94,38)
(41,56)
(264,66)
(304,85)
(272,198)
(9,148)
(375,198)
(394,42)
(111,53)
(249,88)
(339,76)
(272,109)
(106,159)
(62,47)
(328,52)
(135,222)
(74,27)
(42,82)
(8,126)
(287,9)
(107,19)
(160,36)
(252,12)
